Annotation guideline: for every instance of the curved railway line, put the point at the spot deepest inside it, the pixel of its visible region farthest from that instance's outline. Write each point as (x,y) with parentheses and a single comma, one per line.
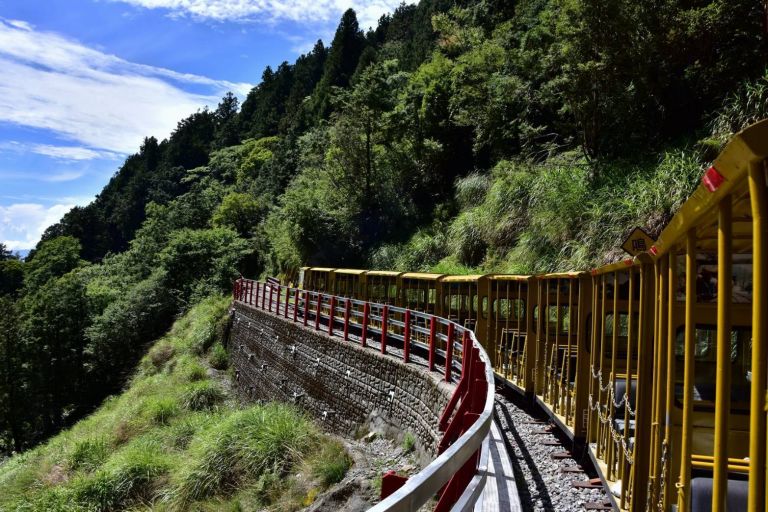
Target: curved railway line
(652,368)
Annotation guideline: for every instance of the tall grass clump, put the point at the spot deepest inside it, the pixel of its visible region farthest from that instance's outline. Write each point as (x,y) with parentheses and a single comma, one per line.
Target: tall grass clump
(248,444)
(331,463)
(200,396)
(88,454)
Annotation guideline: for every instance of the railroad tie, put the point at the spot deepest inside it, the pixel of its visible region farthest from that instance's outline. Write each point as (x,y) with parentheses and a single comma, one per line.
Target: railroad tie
(598,505)
(592,483)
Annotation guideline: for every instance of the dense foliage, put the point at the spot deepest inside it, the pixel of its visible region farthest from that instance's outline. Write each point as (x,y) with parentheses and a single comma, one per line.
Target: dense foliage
(457,135)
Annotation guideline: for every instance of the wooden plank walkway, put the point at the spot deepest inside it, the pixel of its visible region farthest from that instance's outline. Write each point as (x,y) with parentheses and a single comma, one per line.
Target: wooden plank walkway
(500,492)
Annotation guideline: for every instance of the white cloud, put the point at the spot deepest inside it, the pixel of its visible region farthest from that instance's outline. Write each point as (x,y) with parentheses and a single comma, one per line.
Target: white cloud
(305,11)
(22,224)
(58,152)
(90,97)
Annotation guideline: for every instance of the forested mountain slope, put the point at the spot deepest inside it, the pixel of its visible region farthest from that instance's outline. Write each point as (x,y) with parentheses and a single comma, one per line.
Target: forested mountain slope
(464,135)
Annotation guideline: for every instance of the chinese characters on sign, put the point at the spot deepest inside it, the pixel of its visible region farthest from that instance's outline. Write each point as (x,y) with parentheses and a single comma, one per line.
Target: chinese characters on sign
(637,242)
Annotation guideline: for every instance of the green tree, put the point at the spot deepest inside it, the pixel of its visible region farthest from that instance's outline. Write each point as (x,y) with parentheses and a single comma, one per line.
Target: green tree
(12,380)
(11,277)
(53,258)
(54,322)
(226,129)
(240,212)
(346,48)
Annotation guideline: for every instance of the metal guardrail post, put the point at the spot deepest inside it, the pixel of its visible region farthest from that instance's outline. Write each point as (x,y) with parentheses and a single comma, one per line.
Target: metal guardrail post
(384,319)
(449,352)
(347,306)
(332,315)
(364,333)
(407,336)
(432,330)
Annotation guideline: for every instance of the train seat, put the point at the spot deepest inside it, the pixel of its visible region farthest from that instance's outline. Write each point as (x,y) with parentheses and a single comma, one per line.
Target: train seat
(701,494)
(619,389)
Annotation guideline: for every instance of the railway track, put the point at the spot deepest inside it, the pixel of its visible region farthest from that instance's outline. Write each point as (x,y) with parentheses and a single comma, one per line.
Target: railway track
(548,476)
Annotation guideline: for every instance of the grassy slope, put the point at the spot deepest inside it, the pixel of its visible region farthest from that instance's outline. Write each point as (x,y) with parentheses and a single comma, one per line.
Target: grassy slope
(176,440)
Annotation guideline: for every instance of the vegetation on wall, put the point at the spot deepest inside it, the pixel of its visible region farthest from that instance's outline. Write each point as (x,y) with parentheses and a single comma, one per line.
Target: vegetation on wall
(457,135)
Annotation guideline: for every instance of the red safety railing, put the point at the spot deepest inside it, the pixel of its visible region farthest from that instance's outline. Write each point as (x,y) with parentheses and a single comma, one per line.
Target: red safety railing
(457,476)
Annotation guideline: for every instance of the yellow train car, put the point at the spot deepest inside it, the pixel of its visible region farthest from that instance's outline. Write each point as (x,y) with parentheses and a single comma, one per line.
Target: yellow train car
(559,350)
(420,291)
(511,300)
(381,286)
(316,279)
(349,282)
(464,300)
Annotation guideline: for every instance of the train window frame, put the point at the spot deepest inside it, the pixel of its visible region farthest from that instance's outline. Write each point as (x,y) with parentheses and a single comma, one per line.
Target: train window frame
(520,306)
(711,353)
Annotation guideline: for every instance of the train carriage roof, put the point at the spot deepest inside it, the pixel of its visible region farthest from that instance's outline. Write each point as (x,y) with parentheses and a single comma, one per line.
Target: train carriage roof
(426,276)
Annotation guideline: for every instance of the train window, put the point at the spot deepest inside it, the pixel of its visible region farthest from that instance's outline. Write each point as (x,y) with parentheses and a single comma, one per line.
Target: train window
(535,318)
(414,296)
(705,366)
(485,307)
(621,340)
(509,309)
(554,320)
(706,278)
(377,292)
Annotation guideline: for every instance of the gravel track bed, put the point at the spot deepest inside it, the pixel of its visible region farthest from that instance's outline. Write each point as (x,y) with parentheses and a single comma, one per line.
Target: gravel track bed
(542,485)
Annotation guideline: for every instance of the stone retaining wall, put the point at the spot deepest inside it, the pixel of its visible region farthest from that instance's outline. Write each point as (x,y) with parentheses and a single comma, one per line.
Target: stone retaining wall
(344,386)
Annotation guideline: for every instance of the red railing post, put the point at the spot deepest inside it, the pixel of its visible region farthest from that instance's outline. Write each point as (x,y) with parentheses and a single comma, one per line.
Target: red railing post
(271,291)
(256,295)
(317,313)
(384,319)
(347,306)
(277,306)
(250,292)
(235,289)
(364,333)
(287,301)
(295,305)
(407,336)
(432,332)
(263,295)
(306,307)
(332,315)
(449,352)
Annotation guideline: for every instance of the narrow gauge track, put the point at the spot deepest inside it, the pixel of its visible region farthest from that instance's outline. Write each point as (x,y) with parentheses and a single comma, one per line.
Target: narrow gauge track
(545,481)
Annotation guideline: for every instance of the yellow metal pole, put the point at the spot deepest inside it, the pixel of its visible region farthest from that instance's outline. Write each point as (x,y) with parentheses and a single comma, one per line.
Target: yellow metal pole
(628,385)
(690,348)
(594,420)
(604,432)
(723,375)
(660,375)
(666,466)
(757,419)
(614,343)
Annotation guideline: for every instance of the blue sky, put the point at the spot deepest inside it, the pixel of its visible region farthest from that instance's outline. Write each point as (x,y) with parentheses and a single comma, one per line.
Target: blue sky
(83,81)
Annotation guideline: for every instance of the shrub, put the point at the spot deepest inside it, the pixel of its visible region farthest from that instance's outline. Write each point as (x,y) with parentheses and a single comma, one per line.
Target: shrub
(248,443)
(218,357)
(88,454)
(409,442)
(127,478)
(161,410)
(332,463)
(202,395)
